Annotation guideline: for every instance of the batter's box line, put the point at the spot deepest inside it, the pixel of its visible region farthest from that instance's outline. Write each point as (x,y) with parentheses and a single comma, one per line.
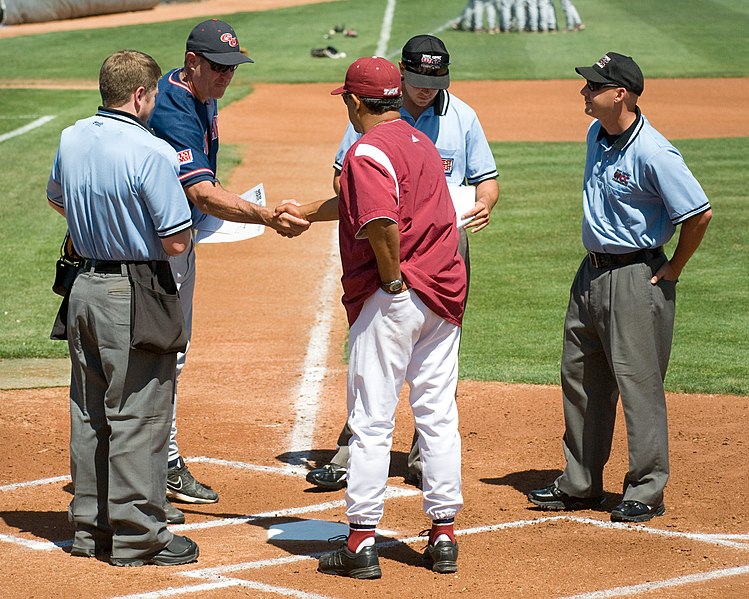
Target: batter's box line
(216,575)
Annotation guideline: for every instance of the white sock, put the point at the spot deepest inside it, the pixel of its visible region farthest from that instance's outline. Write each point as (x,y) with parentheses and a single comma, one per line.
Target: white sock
(442,537)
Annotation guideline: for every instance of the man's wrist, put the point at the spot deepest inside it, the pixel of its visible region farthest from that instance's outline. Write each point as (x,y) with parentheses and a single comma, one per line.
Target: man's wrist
(393,287)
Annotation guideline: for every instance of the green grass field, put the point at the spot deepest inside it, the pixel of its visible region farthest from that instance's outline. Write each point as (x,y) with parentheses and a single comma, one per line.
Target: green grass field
(523,264)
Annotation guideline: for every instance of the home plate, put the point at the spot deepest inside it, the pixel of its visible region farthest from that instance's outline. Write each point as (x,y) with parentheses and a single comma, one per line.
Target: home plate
(313,530)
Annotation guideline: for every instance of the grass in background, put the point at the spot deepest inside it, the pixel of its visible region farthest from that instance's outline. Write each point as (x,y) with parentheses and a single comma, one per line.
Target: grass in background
(691,38)
(524,264)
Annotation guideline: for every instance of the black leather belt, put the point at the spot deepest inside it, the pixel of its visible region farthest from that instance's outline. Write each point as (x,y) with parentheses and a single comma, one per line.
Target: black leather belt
(108,267)
(617,260)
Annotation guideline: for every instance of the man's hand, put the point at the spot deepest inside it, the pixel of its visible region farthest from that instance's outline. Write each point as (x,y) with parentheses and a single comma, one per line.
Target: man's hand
(665,272)
(288,220)
(480,213)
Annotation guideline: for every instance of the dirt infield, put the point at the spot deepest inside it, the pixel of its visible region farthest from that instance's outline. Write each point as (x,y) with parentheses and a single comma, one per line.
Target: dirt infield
(262,400)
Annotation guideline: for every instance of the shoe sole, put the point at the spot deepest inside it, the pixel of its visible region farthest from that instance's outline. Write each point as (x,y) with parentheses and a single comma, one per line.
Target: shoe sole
(368,573)
(157,561)
(558,506)
(178,520)
(659,511)
(177,496)
(446,567)
(333,486)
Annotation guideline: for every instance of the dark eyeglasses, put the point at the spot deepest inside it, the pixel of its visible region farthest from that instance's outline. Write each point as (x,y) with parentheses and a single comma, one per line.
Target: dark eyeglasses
(432,70)
(219,68)
(594,87)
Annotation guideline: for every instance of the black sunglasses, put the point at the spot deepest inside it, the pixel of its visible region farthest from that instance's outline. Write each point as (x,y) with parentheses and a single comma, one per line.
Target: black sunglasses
(594,87)
(426,69)
(219,68)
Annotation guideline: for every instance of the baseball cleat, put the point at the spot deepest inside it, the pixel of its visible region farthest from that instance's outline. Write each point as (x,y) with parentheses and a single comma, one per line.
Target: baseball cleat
(173,515)
(442,557)
(343,562)
(330,476)
(636,511)
(182,486)
(179,551)
(552,499)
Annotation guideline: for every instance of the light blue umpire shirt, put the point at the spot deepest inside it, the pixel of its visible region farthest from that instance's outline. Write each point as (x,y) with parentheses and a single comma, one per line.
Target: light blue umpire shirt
(118,184)
(455,130)
(636,190)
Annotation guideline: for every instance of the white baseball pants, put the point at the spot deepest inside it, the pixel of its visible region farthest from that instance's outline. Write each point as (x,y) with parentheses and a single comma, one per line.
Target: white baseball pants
(397,339)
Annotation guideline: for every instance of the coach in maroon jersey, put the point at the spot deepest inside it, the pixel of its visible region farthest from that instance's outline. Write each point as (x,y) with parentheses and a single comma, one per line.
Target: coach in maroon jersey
(404,285)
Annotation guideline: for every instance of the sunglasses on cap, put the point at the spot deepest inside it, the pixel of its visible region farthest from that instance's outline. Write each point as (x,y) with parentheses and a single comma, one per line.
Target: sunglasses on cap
(219,68)
(594,87)
(432,70)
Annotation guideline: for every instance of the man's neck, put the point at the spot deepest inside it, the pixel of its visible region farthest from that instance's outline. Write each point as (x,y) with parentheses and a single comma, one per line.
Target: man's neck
(414,109)
(187,80)
(372,120)
(619,124)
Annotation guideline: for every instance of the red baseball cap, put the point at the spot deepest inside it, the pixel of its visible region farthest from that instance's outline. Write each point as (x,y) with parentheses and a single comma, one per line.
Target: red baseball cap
(373,77)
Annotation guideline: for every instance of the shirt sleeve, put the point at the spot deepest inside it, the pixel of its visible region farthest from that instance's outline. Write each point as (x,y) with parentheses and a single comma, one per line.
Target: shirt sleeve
(162,193)
(480,164)
(350,137)
(176,121)
(54,188)
(372,187)
(682,195)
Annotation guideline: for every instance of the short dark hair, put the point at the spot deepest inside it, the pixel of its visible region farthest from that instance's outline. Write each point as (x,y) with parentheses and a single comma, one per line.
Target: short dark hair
(123,72)
(382,105)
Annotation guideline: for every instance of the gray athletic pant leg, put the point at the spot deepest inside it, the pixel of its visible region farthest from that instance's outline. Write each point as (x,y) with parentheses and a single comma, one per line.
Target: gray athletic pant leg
(120,416)
(617,341)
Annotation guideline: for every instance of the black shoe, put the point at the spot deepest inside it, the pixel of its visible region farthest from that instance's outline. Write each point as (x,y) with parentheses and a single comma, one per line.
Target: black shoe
(442,557)
(330,476)
(344,562)
(173,514)
(551,498)
(182,486)
(636,511)
(179,551)
(415,478)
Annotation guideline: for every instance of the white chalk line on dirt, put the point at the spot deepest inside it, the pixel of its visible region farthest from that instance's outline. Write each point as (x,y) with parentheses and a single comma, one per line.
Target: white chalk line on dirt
(663,584)
(284,470)
(217,573)
(390,493)
(35,483)
(26,128)
(307,403)
(221,583)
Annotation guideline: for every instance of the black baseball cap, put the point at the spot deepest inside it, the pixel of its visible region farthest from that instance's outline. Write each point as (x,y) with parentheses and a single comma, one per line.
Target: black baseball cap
(216,41)
(615,68)
(425,61)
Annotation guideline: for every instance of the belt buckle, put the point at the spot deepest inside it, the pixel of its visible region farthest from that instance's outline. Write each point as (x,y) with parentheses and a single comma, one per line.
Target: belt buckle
(594,259)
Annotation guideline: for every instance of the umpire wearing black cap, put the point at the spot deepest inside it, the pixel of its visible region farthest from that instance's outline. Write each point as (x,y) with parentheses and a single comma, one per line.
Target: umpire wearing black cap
(620,319)
(467,161)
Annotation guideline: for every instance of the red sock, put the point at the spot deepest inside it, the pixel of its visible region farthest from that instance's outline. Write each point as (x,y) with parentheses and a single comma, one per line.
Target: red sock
(356,536)
(441,529)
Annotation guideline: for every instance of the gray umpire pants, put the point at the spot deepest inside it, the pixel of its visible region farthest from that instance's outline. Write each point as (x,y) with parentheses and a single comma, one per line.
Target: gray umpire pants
(617,342)
(414,460)
(120,415)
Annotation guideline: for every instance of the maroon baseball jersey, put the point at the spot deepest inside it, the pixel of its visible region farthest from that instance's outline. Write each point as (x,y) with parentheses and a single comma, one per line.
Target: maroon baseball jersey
(395,172)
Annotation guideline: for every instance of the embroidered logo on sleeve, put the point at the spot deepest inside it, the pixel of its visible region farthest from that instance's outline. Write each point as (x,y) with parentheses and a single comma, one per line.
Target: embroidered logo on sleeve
(620,177)
(185,156)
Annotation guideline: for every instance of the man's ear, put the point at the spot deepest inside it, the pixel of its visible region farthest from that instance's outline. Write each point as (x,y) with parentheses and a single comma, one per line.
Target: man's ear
(138,96)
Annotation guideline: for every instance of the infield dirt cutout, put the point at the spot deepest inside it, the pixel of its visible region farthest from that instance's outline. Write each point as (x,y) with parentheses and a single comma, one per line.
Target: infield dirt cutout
(256,304)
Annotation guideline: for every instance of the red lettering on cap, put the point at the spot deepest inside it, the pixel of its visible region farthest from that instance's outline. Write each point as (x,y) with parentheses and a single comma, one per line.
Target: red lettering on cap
(229,39)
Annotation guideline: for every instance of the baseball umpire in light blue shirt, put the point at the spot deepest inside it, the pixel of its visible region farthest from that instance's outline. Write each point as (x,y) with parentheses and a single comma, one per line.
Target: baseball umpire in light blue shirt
(620,319)
(467,159)
(117,186)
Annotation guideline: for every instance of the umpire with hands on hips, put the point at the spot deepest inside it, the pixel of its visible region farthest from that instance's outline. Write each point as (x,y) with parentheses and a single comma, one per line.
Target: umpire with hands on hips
(619,324)
(186,116)
(467,159)
(116,184)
